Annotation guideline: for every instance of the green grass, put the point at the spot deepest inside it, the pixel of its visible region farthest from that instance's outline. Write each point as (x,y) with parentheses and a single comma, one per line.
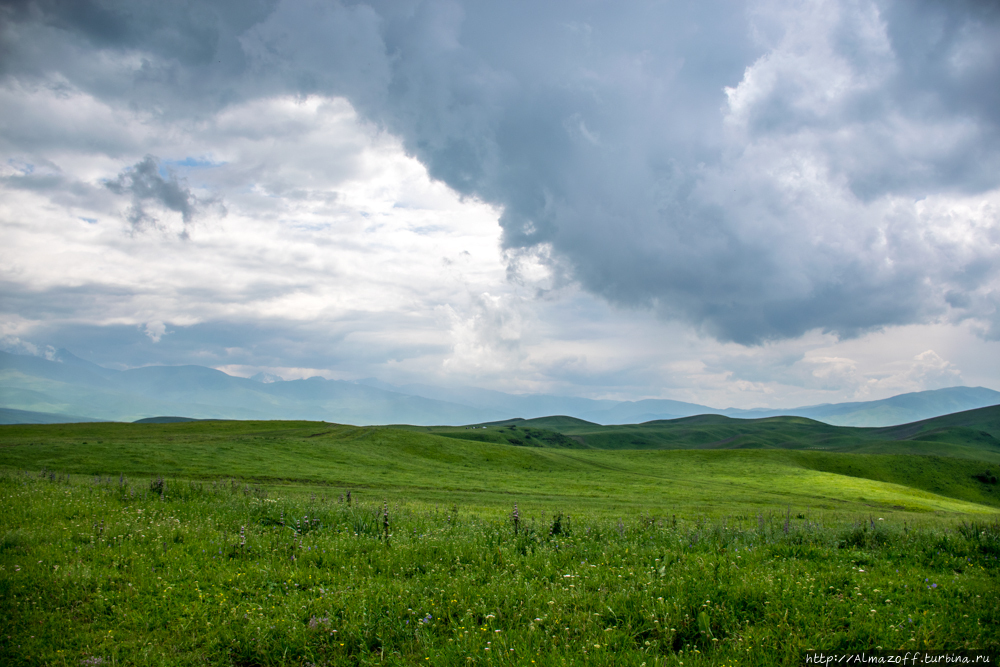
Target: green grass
(111,572)
(443,469)
(246,551)
(509,434)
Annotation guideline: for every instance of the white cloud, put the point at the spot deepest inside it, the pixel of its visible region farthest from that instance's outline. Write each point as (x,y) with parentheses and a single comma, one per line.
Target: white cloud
(155,330)
(320,219)
(487,338)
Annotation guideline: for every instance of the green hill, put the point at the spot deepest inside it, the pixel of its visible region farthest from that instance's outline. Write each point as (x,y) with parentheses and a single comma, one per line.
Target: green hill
(541,432)
(974,434)
(956,455)
(413,463)
(983,420)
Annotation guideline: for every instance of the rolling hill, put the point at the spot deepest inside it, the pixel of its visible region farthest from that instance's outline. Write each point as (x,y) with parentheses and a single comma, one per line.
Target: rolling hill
(973,434)
(413,463)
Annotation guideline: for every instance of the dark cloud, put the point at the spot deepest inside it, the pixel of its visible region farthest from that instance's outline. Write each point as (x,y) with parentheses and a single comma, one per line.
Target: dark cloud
(191,32)
(146,185)
(748,168)
(184,57)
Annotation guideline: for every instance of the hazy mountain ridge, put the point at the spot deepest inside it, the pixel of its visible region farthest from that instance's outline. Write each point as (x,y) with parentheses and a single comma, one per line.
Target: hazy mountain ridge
(10,416)
(72,387)
(53,387)
(900,409)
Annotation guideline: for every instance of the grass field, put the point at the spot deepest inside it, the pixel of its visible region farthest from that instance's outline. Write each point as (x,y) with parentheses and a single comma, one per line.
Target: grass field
(233,543)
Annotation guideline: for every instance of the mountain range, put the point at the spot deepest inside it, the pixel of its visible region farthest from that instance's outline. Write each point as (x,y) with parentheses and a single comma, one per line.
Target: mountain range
(65,388)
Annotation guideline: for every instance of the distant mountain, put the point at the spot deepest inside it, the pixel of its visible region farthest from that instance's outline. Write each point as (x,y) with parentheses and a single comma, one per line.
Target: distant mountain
(636,412)
(267,378)
(72,388)
(901,409)
(66,357)
(9,416)
(509,405)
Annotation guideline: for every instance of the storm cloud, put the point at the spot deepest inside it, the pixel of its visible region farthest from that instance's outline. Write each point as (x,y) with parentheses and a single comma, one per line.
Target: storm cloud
(756,169)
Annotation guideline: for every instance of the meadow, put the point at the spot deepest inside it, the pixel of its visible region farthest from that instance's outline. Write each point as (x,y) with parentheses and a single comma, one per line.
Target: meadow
(266,543)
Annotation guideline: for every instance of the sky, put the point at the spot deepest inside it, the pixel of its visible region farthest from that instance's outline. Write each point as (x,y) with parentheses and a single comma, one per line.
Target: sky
(741,204)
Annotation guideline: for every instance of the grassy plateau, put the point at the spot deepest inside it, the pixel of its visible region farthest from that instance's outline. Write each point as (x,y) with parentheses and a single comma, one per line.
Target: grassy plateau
(699,541)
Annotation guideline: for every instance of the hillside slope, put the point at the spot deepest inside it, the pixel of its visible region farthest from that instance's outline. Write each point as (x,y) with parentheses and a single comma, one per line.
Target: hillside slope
(415,464)
(974,434)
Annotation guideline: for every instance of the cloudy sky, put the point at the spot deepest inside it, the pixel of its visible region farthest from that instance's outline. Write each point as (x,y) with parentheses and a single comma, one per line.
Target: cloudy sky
(768,203)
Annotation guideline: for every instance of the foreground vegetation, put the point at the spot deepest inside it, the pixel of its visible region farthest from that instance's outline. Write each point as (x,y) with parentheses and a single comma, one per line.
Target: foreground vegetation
(451,551)
(109,571)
